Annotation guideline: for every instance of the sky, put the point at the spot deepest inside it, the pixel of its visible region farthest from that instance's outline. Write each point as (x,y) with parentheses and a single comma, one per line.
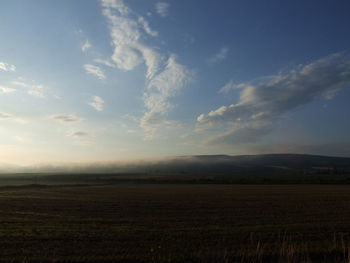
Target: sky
(104,80)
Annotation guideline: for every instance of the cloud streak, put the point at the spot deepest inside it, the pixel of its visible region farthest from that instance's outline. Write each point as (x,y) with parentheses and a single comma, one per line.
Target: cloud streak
(97,103)
(147,27)
(6,90)
(86,46)
(78,134)
(220,56)
(4,116)
(162,8)
(33,89)
(7,67)
(95,70)
(104,62)
(261,104)
(70,118)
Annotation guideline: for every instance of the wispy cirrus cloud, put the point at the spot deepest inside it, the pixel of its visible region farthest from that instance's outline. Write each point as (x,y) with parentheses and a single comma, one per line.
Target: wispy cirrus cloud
(97,103)
(95,70)
(261,104)
(164,76)
(104,62)
(78,134)
(7,67)
(69,118)
(221,55)
(162,8)
(147,27)
(6,90)
(125,31)
(159,90)
(6,116)
(36,90)
(86,46)
(229,87)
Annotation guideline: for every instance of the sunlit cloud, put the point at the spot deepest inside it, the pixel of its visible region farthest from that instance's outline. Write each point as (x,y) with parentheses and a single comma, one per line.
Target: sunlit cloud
(165,78)
(7,67)
(97,103)
(129,50)
(6,89)
(95,70)
(159,90)
(261,104)
(33,89)
(104,62)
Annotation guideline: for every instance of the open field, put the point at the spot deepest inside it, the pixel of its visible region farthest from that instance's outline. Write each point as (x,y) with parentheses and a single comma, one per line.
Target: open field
(175,223)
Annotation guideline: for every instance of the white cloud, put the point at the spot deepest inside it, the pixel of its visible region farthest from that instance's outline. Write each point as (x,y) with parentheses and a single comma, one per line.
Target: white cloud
(6,89)
(95,70)
(97,103)
(33,89)
(86,46)
(220,56)
(70,118)
(37,90)
(229,86)
(104,62)
(129,51)
(116,4)
(162,8)
(7,67)
(159,90)
(147,27)
(261,104)
(165,77)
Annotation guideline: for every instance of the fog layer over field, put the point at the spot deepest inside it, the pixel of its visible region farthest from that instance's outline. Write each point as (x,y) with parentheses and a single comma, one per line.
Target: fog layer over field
(200,164)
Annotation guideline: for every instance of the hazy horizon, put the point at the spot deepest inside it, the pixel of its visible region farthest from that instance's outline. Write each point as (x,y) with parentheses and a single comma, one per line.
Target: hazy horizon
(111,81)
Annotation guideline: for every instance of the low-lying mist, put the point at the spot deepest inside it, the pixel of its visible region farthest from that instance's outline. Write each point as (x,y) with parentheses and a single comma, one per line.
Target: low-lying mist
(200,164)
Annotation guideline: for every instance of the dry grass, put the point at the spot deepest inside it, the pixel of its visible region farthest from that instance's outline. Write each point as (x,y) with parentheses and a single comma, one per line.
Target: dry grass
(176,223)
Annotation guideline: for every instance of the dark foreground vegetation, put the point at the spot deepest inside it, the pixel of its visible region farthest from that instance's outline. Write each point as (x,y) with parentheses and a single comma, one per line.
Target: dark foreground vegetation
(175,223)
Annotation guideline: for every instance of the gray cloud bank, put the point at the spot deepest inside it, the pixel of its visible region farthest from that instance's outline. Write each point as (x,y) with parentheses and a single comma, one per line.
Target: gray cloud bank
(262,103)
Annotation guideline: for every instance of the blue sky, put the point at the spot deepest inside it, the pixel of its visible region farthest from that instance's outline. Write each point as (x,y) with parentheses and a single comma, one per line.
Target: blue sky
(86,80)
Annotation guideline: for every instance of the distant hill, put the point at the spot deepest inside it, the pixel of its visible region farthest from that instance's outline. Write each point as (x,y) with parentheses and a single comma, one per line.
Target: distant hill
(257,164)
(212,164)
(256,169)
